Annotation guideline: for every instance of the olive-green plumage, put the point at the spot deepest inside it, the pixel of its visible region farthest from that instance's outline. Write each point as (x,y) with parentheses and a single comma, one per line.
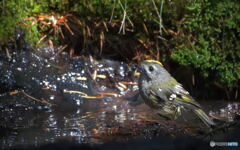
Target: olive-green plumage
(162,92)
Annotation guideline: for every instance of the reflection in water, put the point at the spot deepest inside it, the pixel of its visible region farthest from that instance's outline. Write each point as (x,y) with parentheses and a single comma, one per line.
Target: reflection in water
(86,124)
(73,118)
(96,121)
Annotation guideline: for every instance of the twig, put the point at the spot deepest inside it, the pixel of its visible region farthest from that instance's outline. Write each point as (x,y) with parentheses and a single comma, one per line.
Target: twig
(35,99)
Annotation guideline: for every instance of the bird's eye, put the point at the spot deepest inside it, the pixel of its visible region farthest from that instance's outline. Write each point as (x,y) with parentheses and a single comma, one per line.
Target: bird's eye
(151,69)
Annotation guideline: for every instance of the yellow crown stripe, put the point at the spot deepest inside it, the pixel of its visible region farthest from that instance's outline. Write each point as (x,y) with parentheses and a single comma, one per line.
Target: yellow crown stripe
(154,61)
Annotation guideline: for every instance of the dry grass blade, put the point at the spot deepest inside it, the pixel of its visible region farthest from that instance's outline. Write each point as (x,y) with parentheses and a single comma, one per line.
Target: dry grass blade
(69,29)
(105,26)
(75,92)
(94,75)
(102,76)
(136,74)
(61,33)
(81,78)
(83,95)
(108,94)
(114,5)
(145,28)
(123,23)
(35,99)
(102,39)
(122,85)
(8,54)
(93,97)
(14,92)
(50,44)
(60,49)
(142,42)
(159,14)
(128,83)
(42,38)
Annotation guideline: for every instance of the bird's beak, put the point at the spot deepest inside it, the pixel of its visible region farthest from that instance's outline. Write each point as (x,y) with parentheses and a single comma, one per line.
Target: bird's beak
(142,68)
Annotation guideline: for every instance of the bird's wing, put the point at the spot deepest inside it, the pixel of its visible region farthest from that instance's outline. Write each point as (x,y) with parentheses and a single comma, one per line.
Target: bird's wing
(182,96)
(175,93)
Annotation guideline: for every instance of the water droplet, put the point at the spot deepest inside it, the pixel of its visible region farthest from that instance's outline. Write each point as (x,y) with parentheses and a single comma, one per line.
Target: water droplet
(52,97)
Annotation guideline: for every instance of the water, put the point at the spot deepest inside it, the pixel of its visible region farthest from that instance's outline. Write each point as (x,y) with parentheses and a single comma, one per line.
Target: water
(87,124)
(39,103)
(95,122)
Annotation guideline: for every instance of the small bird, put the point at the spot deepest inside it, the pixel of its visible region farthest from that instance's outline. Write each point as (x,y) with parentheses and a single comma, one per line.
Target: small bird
(162,92)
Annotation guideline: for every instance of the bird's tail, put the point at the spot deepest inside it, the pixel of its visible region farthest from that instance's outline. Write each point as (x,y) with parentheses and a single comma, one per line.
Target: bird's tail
(204,117)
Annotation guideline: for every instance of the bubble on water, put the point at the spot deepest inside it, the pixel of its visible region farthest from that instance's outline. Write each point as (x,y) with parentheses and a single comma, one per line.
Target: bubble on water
(63,77)
(84,85)
(114,107)
(52,97)
(18,105)
(102,88)
(78,111)
(107,99)
(19,69)
(34,65)
(135,88)
(100,65)
(235,106)
(120,117)
(52,58)
(229,106)
(54,87)
(121,71)
(78,102)
(121,89)
(46,83)
(73,79)
(230,117)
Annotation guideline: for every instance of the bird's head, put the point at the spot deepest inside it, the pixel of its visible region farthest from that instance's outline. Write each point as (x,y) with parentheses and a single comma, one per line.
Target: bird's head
(152,69)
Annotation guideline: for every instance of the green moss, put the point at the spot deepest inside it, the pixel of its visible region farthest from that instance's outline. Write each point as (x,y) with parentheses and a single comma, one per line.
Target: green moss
(213,27)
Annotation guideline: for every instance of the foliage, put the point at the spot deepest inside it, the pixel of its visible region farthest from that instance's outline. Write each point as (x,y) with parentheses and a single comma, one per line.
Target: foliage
(14,14)
(202,34)
(209,40)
